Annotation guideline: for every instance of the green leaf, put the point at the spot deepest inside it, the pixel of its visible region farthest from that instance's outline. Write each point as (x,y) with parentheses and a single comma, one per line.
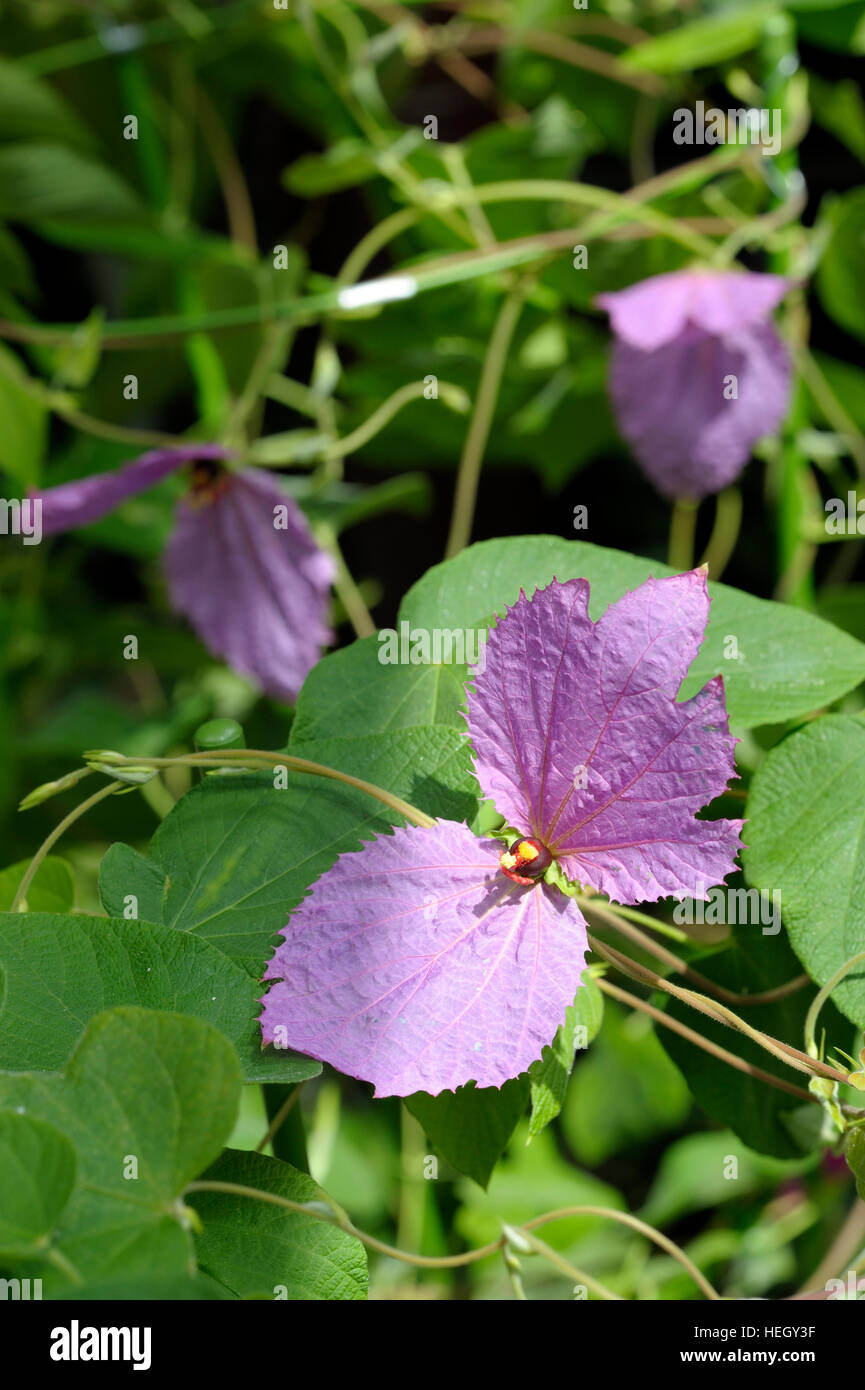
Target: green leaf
(806,842)
(240,854)
(704,1170)
(52,888)
(704,42)
(838,274)
(789,662)
(623,1092)
(37,1175)
(30,109)
(59,972)
(471,1128)
(763,1117)
(433,764)
(148,1100)
(353,691)
(25,423)
(256,1249)
(130,885)
(534,1178)
(175,1288)
(40,181)
(549,1076)
(839,108)
(838,25)
(344,165)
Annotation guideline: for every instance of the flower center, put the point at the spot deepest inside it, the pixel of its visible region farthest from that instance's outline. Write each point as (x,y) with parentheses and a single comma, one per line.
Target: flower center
(525,861)
(208,479)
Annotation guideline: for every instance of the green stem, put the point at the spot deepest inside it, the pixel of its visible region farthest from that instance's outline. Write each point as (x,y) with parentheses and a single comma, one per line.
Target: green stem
(242,756)
(468,475)
(374,241)
(683,526)
(61,405)
(783,1052)
(454,396)
(626,1219)
(286,1133)
(148,33)
(55,835)
(522,1233)
(725,532)
(820,999)
(579,1276)
(731,1059)
(611,914)
(585,901)
(345,586)
(585,195)
(429,275)
(836,413)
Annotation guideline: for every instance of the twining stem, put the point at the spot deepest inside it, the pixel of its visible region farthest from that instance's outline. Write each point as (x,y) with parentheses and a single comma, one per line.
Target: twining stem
(587,901)
(58,830)
(346,587)
(453,269)
(454,396)
(229,170)
(725,531)
(843,1249)
(791,1056)
(152,332)
(836,413)
(374,241)
(482,416)
(336,1218)
(242,756)
(587,194)
(60,403)
(280,1116)
(675,1026)
(579,1276)
(820,999)
(610,914)
(626,1219)
(683,526)
(287,1132)
(272,351)
(563,50)
(512,1265)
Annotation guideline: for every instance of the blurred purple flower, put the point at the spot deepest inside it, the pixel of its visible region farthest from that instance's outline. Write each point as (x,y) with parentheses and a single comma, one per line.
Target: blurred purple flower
(432,958)
(241,563)
(697,374)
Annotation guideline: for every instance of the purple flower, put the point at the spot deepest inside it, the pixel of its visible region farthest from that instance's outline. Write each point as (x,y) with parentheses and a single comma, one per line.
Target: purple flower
(698,373)
(241,564)
(430,958)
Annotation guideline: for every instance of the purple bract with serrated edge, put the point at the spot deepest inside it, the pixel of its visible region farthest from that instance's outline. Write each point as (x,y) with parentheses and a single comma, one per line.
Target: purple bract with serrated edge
(415,963)
(242,565)
(697,374)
